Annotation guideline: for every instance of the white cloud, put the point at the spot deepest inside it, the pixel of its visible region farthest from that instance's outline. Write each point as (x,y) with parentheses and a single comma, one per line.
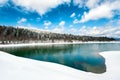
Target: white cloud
(71,26)
(80,3)
(76,21)
(113,22)
(2,2)
(62,23)
(60,28)
(40,6)
(101,31)
(47,24)
(97,31)
(22,20)
(115,5)
(118,22)
(105,10)
(72,15)
(107,31)
(72,30)
(92,3)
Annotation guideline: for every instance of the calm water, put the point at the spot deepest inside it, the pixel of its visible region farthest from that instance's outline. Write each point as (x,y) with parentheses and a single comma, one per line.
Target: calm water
(79,56)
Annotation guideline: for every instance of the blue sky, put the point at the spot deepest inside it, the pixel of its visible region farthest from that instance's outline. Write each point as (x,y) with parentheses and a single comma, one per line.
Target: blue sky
(83,17)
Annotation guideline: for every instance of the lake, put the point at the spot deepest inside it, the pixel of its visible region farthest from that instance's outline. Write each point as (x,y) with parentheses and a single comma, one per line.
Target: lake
(83,57)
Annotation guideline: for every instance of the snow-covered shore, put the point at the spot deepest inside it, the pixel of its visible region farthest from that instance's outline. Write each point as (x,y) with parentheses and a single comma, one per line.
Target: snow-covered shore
(42,44)
(17,68)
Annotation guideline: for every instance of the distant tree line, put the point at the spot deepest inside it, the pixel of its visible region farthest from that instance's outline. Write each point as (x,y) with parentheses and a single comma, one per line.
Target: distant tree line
(9,34)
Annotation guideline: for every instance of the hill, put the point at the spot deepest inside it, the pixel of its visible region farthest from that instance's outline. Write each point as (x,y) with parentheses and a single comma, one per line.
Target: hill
(9,34)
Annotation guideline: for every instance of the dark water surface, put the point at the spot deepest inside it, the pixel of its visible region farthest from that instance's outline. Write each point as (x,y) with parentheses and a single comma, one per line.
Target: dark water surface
(79,56)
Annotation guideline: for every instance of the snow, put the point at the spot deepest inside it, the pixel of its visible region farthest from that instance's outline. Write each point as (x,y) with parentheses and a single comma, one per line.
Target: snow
(18,68)
(42,44)
(33,29)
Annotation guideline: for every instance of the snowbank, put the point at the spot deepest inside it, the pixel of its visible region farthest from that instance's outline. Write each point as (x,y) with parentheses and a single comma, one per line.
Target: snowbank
(40,44)
(17,68)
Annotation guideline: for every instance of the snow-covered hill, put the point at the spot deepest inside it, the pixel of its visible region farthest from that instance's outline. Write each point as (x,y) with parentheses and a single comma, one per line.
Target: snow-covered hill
(17,68)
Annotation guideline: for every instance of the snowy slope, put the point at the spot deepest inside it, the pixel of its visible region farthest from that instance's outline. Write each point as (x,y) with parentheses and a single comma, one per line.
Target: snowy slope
(17,68)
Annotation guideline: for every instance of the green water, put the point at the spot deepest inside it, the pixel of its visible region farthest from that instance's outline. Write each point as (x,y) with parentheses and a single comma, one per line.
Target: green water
(83,57)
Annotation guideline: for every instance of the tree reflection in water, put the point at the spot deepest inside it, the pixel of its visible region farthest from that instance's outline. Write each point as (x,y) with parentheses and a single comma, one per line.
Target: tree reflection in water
(75,56)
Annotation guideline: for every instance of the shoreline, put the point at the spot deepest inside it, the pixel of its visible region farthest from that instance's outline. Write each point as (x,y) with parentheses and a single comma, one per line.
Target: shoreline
(58,43)
(20,68)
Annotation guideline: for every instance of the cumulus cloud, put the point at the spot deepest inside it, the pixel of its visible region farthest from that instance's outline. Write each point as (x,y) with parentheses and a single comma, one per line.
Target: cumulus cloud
(72,15)
(40,6)
(72,30)
(47,24)
(2,2)
(92,3)
(22,20)
(108,31)
(105,10)
(86,3)
(76,21)
(118,22)
(60,28)
(79,3)
(62,23)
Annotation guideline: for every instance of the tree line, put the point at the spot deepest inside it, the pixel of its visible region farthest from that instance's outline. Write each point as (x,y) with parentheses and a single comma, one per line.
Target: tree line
(10,34)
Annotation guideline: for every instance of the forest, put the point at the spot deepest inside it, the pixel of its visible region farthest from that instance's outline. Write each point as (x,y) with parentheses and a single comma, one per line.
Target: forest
(14,35)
